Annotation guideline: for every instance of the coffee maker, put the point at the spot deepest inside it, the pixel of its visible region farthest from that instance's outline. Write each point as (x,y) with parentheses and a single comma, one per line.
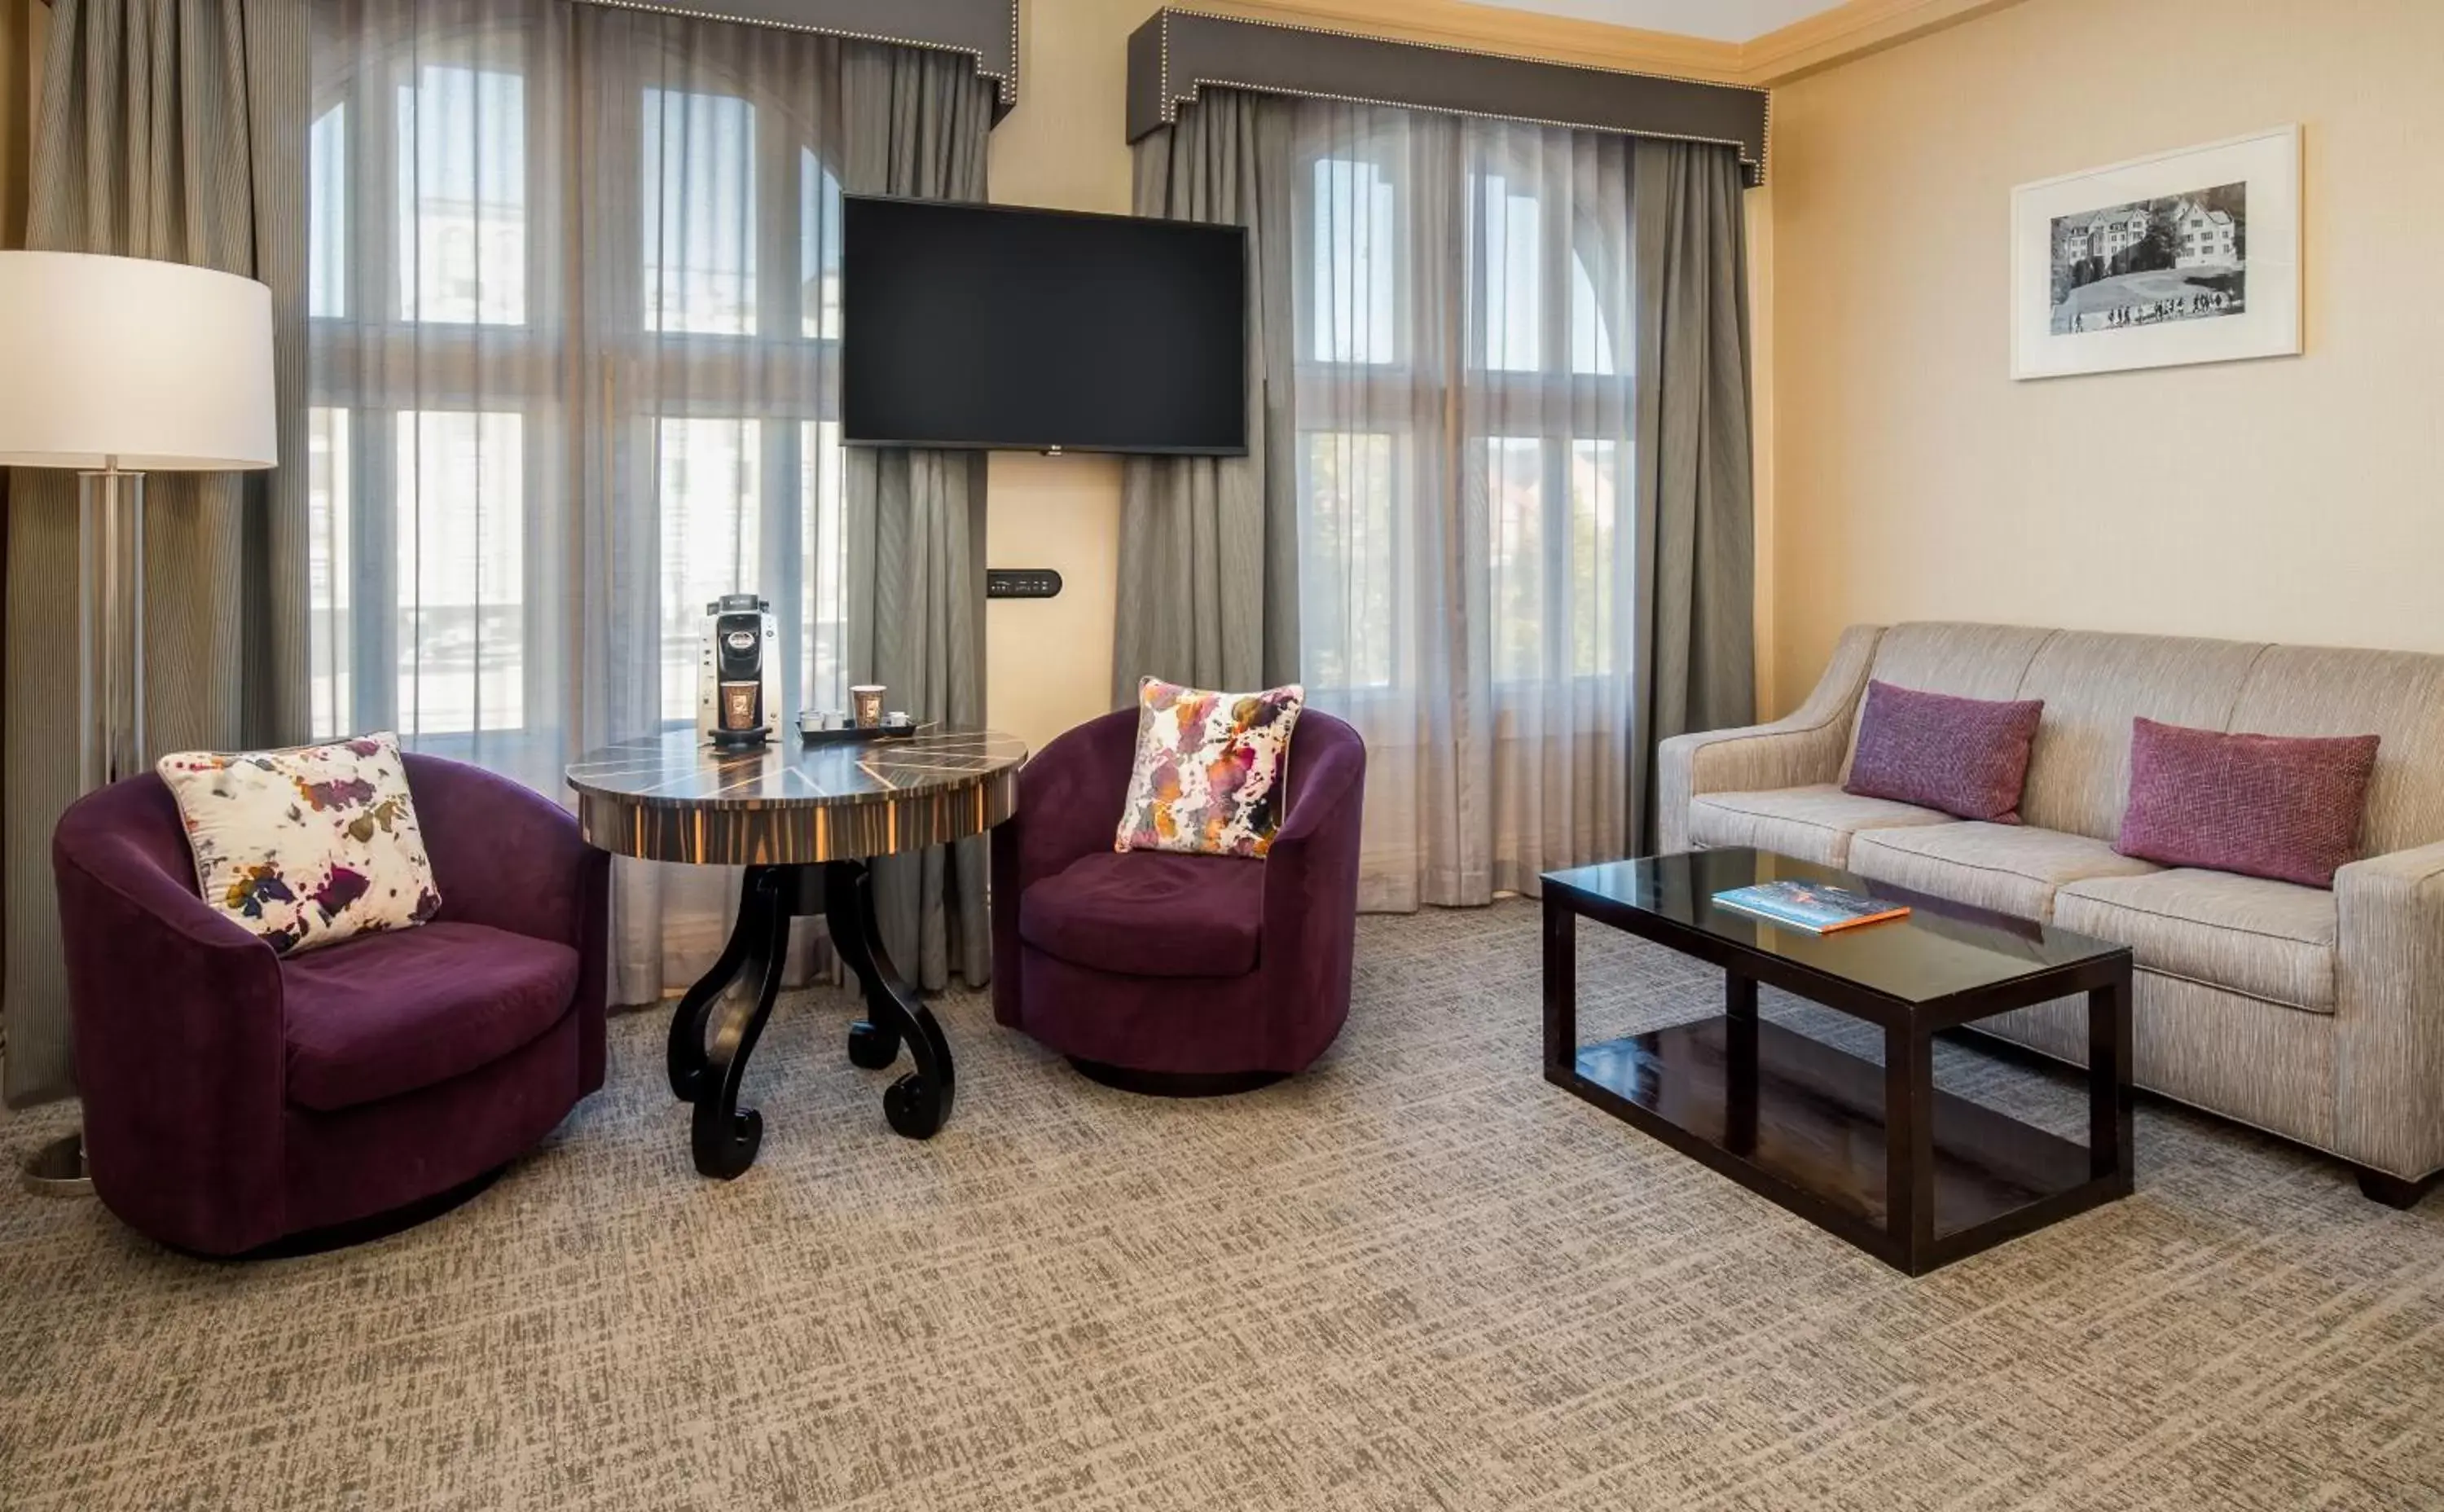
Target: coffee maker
(738,678)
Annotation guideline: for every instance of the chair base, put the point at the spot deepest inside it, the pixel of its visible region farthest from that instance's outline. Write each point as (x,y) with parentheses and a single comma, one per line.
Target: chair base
(2395,1191)
(362,1230)
(1175,1083)
(58,1170)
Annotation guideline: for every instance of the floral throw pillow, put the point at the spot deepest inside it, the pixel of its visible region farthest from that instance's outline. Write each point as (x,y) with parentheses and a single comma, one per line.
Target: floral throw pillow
(1211,769)
(305,847)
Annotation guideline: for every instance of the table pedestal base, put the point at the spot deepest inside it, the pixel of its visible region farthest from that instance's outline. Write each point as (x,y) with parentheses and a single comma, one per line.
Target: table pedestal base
(709,1051)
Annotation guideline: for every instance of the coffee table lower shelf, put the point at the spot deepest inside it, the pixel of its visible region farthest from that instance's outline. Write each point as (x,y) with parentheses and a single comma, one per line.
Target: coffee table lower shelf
(1802,1124)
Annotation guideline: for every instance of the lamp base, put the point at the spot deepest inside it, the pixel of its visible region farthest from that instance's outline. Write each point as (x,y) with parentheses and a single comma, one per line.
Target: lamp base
(58,1169)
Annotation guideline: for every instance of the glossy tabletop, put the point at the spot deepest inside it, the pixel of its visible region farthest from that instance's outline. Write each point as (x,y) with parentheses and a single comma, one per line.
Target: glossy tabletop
(672,797)
(1940,951)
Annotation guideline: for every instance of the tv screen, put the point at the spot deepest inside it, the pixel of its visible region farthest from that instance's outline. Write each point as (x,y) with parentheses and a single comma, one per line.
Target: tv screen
(971,326)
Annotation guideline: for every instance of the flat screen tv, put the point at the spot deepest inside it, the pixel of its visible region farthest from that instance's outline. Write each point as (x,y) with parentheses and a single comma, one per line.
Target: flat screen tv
(972,325)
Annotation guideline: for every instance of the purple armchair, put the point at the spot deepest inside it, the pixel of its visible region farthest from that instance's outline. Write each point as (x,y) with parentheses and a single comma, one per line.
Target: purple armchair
(1179,975)
(235,1102)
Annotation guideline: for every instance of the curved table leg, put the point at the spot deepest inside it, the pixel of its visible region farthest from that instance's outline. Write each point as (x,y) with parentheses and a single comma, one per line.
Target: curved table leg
(918,1104)
(686,1057)
(724,1137)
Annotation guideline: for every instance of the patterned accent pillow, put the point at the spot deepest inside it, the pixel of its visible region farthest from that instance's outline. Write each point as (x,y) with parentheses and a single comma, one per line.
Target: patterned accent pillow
(2285,807)
(309,846)
(1211,769)
(1968,757)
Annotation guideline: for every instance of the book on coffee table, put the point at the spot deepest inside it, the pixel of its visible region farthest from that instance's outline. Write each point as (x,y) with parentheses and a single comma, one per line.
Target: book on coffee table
(1811,906)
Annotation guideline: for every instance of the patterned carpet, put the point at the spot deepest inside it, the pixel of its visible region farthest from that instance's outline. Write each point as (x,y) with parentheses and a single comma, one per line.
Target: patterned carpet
(1419,1278)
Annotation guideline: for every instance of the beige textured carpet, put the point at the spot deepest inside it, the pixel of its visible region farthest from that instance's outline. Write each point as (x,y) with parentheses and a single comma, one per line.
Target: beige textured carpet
(1419,1278)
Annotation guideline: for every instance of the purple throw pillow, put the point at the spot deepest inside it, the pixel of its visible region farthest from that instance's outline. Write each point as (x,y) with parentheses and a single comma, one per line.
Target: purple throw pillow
(1966,756)
(2285,807)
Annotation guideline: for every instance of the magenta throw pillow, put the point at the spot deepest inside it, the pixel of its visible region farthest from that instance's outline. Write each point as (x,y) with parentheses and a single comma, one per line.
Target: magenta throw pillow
(1965,756)
(2285,807)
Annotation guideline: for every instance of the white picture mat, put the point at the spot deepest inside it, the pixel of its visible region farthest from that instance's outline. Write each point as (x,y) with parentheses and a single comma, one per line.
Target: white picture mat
(2268,162)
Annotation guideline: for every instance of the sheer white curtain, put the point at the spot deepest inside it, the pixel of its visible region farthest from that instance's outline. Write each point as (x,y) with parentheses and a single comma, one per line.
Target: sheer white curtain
(574,295)
(1463,304)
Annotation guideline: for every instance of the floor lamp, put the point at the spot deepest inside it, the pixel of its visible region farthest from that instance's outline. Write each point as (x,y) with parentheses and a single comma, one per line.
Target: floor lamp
(117,367)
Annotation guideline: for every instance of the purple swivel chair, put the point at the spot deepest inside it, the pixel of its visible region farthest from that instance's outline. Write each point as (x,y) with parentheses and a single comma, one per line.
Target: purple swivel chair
(238,1102)
(1176,975)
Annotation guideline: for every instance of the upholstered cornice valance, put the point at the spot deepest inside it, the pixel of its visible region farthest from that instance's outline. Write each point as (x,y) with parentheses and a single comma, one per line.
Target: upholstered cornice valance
(984,29)
(1178,52)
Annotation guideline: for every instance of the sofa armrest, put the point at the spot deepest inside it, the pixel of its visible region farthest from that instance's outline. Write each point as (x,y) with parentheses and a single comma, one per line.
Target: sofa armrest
(504,856)
(2389,1011)
(1311,910)
(181,1047)
(1069,799)
(1803,749)
(508,857)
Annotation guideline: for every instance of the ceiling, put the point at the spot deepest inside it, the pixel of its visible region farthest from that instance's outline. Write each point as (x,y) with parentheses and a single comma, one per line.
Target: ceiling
(1721,19)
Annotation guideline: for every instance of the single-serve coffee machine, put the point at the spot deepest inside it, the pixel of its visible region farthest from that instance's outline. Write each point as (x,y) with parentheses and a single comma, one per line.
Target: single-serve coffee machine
(738,678)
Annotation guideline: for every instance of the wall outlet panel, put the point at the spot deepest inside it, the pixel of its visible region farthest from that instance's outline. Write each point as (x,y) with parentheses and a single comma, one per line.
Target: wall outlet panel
(1022,583)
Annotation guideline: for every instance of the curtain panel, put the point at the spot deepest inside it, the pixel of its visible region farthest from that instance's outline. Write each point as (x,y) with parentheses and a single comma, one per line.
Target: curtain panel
(1696,498)
(1209,546)
(575,301)
(169,130)
(1498,512)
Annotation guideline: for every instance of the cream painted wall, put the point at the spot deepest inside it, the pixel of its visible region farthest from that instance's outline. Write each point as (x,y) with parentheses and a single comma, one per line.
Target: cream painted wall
(1048,662)
(2299,499)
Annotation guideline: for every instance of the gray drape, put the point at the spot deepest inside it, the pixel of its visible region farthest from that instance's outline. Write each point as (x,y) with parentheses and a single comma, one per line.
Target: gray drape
(917,126)
(174,131)
(1208,546)
(1696,497)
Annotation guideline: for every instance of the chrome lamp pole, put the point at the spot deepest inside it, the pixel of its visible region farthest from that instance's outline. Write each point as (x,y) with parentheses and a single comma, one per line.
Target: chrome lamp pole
(117,367)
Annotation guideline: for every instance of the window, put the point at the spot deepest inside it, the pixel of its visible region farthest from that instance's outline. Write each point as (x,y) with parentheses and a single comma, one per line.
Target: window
(699,200)
(462,197)
(1357,274)
(327,215)
(1484,288)
(1347,496)
(329,564)
(712,509)
(461,528)
(547,381)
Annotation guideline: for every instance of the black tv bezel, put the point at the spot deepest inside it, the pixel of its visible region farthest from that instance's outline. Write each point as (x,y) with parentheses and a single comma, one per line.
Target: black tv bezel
(1056,448)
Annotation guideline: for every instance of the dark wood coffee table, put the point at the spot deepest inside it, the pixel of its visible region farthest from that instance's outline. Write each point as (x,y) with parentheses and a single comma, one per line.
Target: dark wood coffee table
(1875,1153)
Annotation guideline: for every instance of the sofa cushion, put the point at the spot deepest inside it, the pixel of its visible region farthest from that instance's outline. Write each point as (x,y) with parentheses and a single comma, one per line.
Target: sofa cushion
(1806,823)
(1965,756)
(305,847)
(1211,774)
(2271,940)
(2398,695)
(1149,914)
(2093,685)
(1966,660)
(2011,869)
(2281,806)
(387,1013)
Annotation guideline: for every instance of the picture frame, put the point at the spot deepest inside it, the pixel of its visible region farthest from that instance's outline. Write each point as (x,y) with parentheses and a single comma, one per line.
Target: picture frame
(2185,256)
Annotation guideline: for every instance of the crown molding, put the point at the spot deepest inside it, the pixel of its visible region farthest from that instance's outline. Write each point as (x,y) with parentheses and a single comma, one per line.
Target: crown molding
(1847,31)
(1851,31)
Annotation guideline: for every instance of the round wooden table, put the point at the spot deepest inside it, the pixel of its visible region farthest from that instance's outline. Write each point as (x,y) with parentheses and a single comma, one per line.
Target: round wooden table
(804,819)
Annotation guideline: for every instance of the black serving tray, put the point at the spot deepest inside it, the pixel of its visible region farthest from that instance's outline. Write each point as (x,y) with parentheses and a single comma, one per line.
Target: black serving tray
(858,736)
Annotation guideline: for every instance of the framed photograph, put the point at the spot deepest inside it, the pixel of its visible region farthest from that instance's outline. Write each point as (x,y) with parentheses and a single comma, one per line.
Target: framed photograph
(2189,256)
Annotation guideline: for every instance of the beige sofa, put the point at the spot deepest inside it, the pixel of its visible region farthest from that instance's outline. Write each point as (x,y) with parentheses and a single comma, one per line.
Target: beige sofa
(2316,1015)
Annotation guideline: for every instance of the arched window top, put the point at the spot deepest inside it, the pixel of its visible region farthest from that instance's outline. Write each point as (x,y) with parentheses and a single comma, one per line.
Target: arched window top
(439,178)
(1545,265)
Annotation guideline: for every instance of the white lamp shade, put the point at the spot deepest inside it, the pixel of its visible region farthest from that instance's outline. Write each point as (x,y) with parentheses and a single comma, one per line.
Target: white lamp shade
(158,367)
